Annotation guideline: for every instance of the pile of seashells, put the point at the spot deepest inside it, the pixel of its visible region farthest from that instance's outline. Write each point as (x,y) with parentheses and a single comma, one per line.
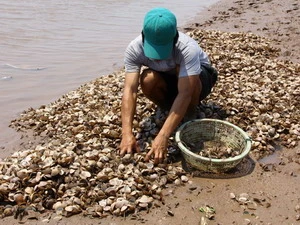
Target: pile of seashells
(260,94)
(77,168)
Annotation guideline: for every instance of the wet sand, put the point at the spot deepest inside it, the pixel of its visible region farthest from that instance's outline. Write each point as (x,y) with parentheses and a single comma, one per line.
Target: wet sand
(273,185)
(274,19)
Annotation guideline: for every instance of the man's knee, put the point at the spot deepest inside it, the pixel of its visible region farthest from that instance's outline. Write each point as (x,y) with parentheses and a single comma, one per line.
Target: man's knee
(150,80)
(146,76)
(196,93)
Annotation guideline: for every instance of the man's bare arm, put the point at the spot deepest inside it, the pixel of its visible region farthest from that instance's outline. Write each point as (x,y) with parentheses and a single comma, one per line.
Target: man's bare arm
(186,88)
(128,143)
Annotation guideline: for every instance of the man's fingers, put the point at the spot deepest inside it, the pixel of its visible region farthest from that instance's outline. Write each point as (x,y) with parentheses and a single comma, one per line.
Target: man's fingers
(125,151)
(137,148)
(158,158)
(128,146)
(148,156)
(161,157)
(129,150)
(122,152)
(156,161)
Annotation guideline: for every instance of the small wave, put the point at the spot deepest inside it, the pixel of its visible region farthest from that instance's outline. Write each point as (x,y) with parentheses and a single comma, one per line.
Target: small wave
(24,67)
(6,78)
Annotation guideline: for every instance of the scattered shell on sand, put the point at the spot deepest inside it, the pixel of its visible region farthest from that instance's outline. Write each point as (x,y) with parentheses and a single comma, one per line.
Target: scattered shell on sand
(77,169)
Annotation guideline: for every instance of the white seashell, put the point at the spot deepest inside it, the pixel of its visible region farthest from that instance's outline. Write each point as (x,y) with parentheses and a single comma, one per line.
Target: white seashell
(58,205)
(143,204)
(102,203)
(85,174)
(153,177)
(243,198)
(115,182)
(107,208)
(124,208)
(145,199)
(74,209)
(184,178)
(232,195)
(121,202)
(177,182)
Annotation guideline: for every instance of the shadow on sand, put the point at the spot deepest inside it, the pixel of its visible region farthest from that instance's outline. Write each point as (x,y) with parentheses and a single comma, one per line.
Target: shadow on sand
(245,167)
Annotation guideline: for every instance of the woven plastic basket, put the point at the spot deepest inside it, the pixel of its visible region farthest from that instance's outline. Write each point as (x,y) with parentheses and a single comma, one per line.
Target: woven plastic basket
(202,130)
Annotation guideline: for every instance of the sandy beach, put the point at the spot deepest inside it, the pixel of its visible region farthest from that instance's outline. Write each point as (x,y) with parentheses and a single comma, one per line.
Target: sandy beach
(272,187)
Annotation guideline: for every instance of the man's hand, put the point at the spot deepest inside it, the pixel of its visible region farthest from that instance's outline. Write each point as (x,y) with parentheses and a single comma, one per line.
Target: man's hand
(128,145)
(158,149)
(188,87)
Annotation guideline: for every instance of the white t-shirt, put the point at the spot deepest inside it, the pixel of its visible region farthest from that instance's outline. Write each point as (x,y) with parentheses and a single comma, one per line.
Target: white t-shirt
(186,53)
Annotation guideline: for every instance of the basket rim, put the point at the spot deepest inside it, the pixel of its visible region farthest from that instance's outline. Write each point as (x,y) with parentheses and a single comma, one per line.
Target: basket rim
(231,159)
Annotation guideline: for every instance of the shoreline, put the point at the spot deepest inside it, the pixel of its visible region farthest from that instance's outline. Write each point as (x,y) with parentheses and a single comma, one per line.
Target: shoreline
(274,202)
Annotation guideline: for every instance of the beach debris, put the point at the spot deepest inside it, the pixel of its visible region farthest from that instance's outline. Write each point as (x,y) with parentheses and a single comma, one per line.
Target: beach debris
(203,221)
(247,202)
(243,198)
(232,195)
(297,208)
(170,213)
(77,169)
(209,211)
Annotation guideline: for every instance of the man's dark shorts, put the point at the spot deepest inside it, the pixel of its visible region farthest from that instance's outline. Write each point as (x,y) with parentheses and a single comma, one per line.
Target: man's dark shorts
(208,78)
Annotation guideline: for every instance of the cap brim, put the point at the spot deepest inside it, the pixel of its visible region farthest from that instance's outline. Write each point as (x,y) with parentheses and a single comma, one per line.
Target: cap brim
(158,52)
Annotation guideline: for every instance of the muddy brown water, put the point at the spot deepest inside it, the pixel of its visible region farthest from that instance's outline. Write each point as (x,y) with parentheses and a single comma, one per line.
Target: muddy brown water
(50,48)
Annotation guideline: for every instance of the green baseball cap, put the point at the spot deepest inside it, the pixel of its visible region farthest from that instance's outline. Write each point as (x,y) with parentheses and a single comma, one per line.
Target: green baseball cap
(160,28)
